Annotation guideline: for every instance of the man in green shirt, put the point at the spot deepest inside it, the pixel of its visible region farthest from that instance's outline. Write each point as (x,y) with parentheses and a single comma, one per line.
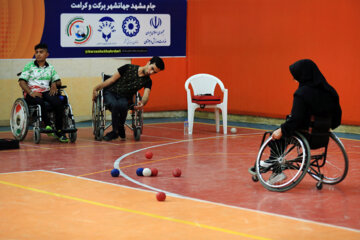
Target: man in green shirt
(39,82)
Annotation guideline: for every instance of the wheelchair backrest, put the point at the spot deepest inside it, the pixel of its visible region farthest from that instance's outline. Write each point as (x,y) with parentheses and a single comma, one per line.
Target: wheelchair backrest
(105,76)
(319,131)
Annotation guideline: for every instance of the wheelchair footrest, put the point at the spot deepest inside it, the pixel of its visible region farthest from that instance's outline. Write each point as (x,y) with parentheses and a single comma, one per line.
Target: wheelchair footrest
(70,130)
(47,131)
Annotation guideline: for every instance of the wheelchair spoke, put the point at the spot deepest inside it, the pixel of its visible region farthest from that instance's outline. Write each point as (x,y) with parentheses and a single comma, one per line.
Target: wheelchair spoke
(289,159)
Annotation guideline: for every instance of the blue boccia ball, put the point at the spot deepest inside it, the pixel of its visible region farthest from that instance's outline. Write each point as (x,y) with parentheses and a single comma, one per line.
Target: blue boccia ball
(139,171)
(115,172)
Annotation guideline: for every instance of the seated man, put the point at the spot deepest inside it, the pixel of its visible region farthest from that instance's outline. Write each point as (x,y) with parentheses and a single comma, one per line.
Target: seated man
(314,97)
(120,88)
(39,82)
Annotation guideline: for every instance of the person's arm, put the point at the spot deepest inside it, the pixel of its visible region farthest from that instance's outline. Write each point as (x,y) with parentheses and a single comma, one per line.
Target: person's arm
(144,99)
(24,86)
(55,82)
(297,117)
(105,84)
(54,87)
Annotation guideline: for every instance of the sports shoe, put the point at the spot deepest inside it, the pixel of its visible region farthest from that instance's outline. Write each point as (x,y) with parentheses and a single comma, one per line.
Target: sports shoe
(267,163)
(61,137)
(49,128)
(111,136)
(276,177)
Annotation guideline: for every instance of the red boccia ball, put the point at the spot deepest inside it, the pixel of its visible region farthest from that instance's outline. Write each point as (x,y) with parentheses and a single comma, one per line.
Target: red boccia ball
(176,172)
(154,172)
(161,196)
(148,155)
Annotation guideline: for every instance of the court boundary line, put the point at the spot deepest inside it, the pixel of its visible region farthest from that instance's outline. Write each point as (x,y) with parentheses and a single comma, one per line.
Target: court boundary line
(117,162)
(197,200)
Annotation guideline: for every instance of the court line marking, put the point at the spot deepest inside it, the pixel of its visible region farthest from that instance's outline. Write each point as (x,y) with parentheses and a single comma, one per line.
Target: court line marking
(117,163)
(185,222)
(233,135)
(194,199)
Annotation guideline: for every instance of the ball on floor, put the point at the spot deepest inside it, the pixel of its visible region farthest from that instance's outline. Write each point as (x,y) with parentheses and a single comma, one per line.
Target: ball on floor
(176,172)
(161,196)
(148,154)
(139,171)
(233,130)
(154,172)
(115,172)
(146,172)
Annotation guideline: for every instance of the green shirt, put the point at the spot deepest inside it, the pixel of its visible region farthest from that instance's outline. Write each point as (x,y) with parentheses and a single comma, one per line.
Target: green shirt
(39,78)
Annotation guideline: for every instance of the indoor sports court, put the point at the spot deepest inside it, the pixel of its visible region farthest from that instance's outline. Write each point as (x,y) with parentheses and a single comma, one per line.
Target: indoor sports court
(242,52)
(66,191)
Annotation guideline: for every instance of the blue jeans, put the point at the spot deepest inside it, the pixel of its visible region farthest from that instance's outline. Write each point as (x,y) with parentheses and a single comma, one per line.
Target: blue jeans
(118,106)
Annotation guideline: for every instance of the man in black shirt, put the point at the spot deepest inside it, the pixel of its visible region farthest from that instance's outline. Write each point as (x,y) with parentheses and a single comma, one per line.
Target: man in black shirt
(120,88)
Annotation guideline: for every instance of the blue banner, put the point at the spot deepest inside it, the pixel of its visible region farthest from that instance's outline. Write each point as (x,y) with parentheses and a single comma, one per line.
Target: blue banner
(126,29)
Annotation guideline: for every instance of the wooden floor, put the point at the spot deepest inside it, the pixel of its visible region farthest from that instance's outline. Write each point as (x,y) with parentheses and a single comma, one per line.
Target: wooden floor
(65,191)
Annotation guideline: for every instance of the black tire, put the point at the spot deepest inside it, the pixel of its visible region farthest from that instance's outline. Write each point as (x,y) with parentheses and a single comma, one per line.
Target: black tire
(37,135)
(334,163)
(97,119)
(137,133)
(69,123)
(73,137)
(291,157)
(19,119)
(99,134)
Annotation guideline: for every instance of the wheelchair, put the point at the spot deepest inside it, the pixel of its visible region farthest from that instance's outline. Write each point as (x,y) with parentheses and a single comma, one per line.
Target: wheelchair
(99,123)
(317,151)
(24,115)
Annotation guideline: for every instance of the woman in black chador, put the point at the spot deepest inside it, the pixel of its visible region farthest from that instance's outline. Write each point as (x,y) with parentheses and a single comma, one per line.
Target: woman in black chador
(314,97)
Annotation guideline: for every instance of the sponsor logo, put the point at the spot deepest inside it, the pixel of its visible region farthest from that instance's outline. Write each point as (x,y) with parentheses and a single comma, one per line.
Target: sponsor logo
(106,27)
(131,26)
(155,22)
(78,30)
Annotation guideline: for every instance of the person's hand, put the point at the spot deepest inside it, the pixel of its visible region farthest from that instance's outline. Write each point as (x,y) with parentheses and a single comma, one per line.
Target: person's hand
(53,90)
(139,105)
(277,134)
(35,94)
(94,95)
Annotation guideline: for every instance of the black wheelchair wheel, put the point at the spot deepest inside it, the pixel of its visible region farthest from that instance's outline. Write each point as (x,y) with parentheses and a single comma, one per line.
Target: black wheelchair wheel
(19,120)
(99,134)
(289,158)
(69,123)
(97,119)
(37,135)
(329,165)
(73,137)
(137,133)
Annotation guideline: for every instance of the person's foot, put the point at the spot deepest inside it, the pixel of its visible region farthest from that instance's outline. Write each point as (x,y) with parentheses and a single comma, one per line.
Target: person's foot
(122,133)
(61,137)
(49,128)
(267,163)
(276,177)
(111,136)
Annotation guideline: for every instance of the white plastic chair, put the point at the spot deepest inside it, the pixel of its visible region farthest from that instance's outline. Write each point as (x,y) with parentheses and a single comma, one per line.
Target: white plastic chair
(205,84)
